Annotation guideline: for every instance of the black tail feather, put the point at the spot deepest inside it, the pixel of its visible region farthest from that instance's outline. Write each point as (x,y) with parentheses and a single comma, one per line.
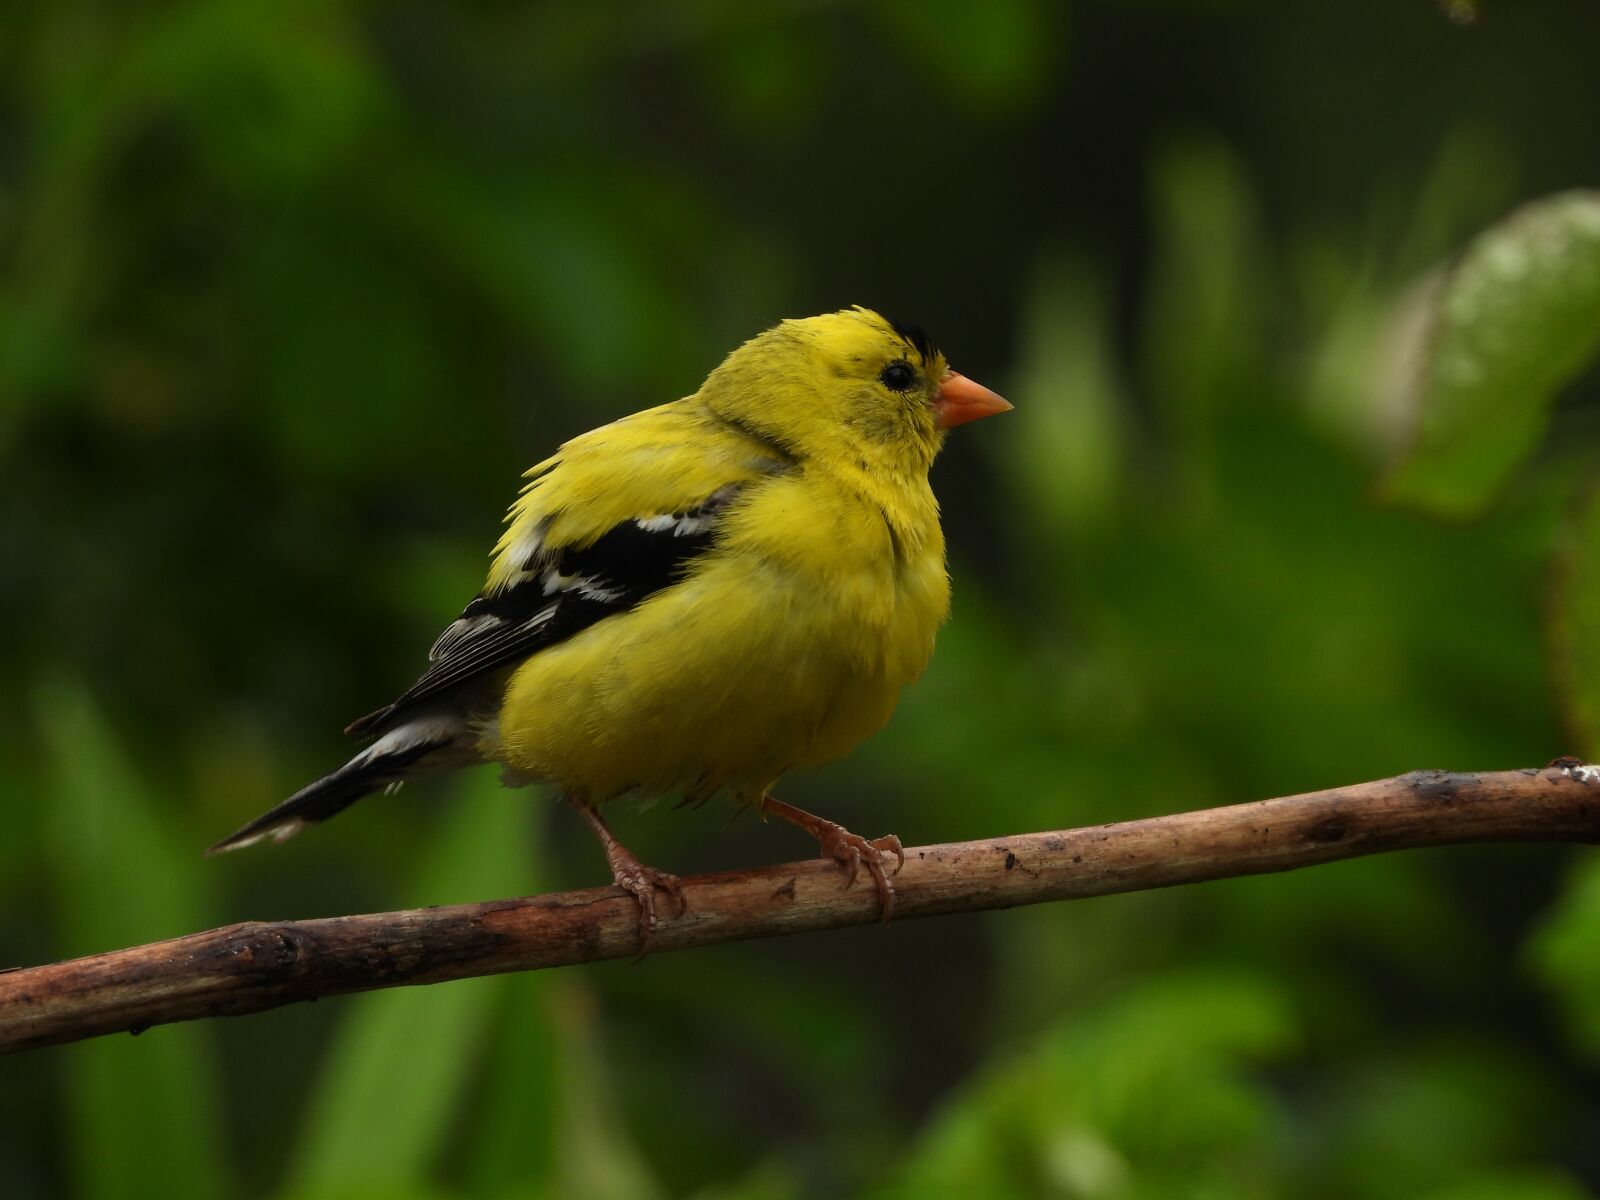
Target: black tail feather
(330,795)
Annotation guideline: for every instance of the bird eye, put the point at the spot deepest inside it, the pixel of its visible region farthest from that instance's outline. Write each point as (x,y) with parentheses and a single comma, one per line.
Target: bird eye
(898,376)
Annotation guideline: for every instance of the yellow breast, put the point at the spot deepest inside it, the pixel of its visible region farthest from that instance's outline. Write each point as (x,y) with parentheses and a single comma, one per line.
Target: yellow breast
(784,647)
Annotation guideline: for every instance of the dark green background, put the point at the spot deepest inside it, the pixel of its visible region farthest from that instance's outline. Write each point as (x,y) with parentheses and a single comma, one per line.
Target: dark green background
(291,291)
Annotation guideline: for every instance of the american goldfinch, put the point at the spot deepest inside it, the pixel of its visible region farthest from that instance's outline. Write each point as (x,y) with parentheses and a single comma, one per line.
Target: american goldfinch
(698,598)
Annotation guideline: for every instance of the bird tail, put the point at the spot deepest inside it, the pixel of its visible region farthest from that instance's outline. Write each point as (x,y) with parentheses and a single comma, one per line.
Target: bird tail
(418,747)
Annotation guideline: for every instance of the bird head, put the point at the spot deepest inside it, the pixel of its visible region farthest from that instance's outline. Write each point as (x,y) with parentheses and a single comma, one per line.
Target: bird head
(852,384)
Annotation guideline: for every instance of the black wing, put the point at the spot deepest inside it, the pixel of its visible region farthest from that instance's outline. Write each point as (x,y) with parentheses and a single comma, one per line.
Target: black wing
(556,594)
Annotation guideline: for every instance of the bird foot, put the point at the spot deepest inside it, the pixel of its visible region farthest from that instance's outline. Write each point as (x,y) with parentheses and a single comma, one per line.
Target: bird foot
(628,873)
(849,850)
(632,876)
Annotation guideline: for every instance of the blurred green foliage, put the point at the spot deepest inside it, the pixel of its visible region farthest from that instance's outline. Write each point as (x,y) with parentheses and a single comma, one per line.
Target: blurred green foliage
(1514,319)
(290,293)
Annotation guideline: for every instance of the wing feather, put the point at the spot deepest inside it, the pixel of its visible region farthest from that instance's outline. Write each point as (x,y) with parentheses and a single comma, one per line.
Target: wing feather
(557,592)
(615,516)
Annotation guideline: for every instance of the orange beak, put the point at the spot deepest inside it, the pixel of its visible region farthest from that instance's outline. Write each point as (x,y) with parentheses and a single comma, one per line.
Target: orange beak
(961,400)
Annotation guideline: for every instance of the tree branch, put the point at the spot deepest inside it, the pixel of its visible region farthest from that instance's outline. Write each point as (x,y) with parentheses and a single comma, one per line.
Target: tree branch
(258,965)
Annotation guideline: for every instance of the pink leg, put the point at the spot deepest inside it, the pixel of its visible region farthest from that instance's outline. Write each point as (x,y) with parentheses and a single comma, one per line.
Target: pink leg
(846,848)
(628,873)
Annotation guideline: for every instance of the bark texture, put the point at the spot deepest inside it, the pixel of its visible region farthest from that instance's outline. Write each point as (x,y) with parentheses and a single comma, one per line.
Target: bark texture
(258,965)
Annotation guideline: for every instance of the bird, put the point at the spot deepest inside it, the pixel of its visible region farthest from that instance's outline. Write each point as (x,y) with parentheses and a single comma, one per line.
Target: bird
(697,599)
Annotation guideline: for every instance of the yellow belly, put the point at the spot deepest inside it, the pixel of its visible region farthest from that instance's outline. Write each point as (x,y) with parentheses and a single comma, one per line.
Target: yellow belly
(755,664)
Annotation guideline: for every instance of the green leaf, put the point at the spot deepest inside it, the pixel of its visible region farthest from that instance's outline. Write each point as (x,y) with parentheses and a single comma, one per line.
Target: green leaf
(270,101)
(992,56)
(1429,1116)
(770,1181)
(1204,353)
(144,1115)
(513,1146)
(1566,955)
(1576,623)
(597,1159)
(1066,453)
(1531,1183)
(764,77)
(552,1122)
(394,1081)
(1516,318)
(1151,1095)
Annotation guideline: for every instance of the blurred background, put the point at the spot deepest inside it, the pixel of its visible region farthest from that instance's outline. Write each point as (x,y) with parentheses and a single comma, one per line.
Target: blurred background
(291,292)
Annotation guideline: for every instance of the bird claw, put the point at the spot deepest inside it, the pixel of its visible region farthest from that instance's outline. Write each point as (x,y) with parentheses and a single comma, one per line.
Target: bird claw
(851,850)
(631,875)
(848,849)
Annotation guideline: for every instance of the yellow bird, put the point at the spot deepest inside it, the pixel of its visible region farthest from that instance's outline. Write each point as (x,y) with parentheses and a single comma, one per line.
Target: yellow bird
(699,597)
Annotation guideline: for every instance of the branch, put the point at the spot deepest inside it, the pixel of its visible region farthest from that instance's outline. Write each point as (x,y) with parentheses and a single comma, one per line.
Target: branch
(259,965)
